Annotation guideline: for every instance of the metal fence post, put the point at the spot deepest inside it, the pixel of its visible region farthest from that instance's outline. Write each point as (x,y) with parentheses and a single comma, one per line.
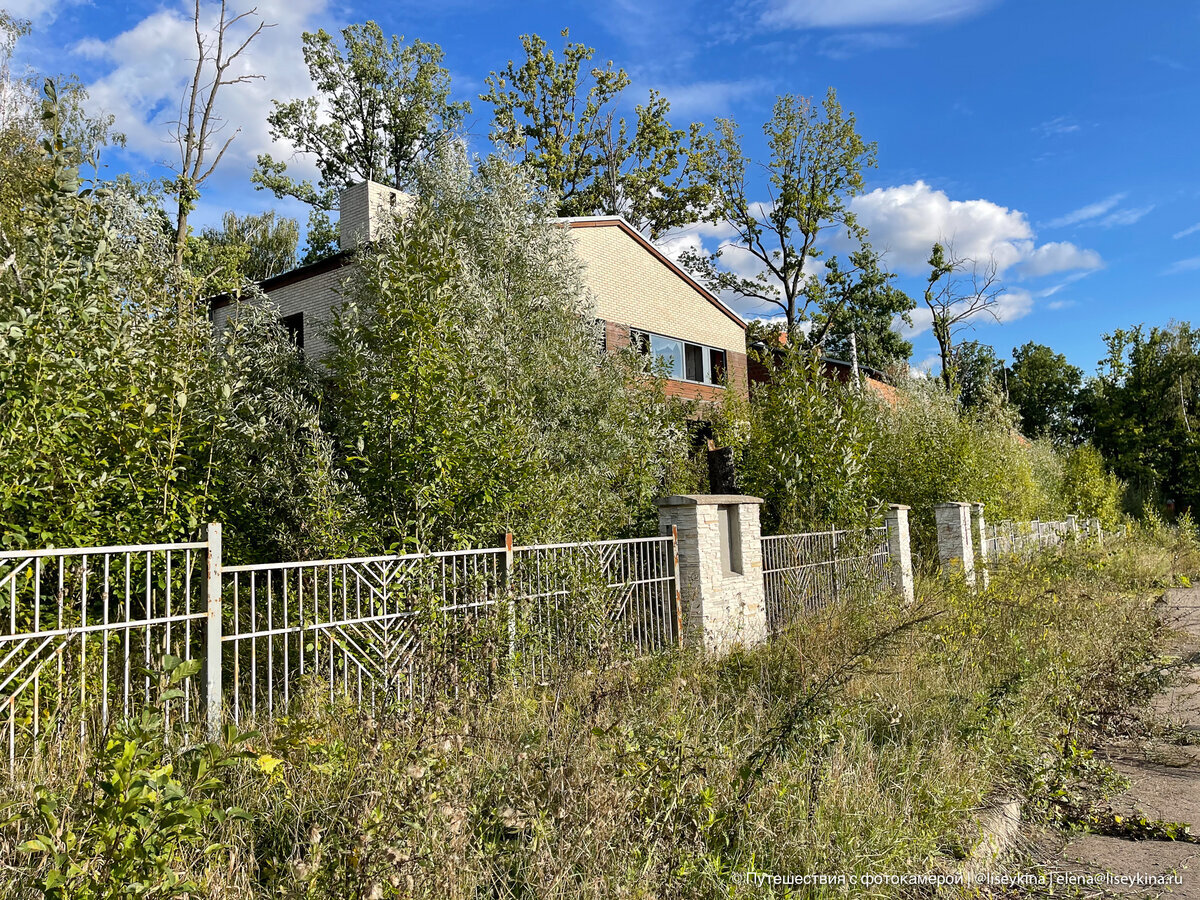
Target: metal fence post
(510,598)
(675,576)
(213,695)
(833,561)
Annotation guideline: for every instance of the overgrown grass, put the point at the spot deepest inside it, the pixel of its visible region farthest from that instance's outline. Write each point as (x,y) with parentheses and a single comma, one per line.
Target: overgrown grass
(863,741)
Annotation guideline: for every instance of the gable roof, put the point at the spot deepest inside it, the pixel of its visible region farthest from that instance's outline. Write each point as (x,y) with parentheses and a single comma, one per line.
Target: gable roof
(620,223)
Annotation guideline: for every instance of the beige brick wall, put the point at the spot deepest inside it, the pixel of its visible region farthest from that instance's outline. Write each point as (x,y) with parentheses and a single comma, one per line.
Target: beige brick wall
(633,287)
(316,297)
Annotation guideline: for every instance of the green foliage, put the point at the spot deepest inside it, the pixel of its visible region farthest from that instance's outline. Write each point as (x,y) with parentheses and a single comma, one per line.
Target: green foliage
(977,375)
(98,362)
(140,823)
(1089,488)
(1139,412)
(380,107)
(1044,388)
(865,304)
(929,450)
(561,120)
(466,390)
(245,249)
(804,447)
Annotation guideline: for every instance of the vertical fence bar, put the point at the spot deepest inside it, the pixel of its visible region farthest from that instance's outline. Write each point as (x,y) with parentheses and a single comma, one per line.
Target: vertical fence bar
(212,631)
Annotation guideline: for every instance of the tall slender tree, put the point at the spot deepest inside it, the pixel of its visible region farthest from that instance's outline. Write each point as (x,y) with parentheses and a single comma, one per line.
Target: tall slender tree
(198,125)
(815,166)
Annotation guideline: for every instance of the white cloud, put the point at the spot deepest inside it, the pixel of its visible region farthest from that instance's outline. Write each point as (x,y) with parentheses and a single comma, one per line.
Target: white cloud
(153,61)
(1056,126)
(1190,230)
(868,13)
(906,220)
(1184,265)
(1087,213)
(700,99)
(1060,304)
(1125,216)
(37,11)
(1013,304)
(1058,256)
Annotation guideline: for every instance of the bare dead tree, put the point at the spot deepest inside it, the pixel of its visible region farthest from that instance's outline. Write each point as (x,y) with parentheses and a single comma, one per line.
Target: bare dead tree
(959,292)
(199,125)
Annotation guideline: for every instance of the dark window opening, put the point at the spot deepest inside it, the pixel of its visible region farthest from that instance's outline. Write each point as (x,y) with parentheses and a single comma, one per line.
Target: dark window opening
(295,328)
(639,341)
(716,366)
(693,357)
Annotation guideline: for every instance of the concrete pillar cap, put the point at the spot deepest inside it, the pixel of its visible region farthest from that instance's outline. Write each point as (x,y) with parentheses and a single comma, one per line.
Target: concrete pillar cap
(706,500)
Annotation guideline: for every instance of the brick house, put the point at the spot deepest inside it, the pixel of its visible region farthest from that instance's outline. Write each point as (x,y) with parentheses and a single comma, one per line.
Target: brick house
(640,297)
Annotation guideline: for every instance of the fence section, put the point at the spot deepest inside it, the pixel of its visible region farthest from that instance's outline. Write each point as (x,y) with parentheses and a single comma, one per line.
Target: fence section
(804,572)
(86,629)
(393,628)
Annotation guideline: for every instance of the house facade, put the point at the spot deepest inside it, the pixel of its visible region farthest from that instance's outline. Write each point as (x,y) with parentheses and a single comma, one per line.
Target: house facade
(640,297)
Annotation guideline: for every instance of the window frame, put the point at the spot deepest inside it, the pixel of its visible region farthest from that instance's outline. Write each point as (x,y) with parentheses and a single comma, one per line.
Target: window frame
(642,340)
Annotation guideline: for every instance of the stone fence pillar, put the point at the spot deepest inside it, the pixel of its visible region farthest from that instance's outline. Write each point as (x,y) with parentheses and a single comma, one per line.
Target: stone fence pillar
(900,551)
(720,568)
(1073,528)
(955,547)
(979,537)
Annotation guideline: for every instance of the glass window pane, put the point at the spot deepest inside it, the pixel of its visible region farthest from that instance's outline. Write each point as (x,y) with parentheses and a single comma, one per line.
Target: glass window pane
(669,352)
(716,366)
(693,358)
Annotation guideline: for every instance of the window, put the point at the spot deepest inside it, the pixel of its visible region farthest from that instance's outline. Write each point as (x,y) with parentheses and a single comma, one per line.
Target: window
(668,353)
(693,362)
(680,360)
(295,328)
(716,366)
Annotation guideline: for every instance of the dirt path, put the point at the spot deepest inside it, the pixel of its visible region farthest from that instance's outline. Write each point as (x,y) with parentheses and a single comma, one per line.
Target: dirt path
(1164,774)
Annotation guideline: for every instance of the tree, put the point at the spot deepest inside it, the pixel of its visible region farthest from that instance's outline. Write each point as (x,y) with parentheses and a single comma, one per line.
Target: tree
(1044,388)
(562,122)
(976,374)
(1140,412)
(465,389)
(198,124)
(958,292)
(246,249)
(816,163)
(866,308)
(381,106)
(24,166)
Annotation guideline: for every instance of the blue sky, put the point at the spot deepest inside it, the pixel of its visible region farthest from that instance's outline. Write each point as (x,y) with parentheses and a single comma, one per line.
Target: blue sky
(1058,137)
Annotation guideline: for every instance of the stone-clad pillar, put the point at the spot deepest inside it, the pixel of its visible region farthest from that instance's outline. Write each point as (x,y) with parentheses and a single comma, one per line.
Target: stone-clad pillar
(900,551)
(955,547)
(720,568)
(979,537)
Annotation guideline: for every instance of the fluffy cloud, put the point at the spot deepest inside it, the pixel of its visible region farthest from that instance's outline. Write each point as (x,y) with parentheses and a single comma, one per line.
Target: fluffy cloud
(38,11)
(906,220)
(867,13)
(152,62)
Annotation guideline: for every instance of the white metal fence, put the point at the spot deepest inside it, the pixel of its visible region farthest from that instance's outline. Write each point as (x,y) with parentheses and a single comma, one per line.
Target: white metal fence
(85,630)
(803,572)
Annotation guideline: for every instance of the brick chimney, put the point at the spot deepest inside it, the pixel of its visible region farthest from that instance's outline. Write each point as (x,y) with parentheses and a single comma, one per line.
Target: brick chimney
(366,212)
